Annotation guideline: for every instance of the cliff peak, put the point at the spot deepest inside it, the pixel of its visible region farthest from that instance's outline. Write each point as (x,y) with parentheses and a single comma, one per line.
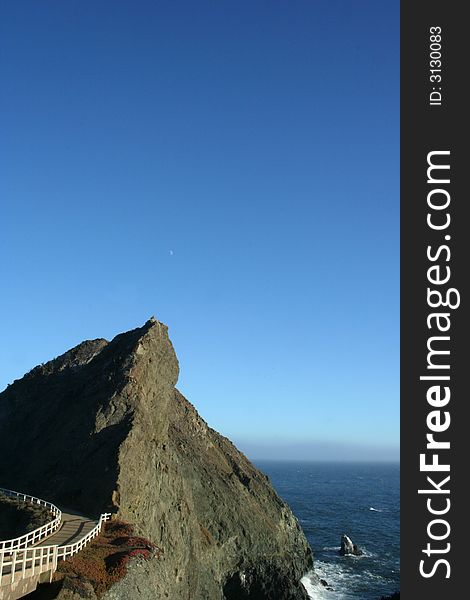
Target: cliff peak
(111,432)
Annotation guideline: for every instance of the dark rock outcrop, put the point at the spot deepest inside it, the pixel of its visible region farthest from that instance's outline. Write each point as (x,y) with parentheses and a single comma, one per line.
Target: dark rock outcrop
(103,427)
(348,548)
(18,518)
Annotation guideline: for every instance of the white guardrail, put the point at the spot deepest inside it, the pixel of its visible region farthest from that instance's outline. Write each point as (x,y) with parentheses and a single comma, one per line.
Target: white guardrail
(33,537)
(71,549)
(19,562)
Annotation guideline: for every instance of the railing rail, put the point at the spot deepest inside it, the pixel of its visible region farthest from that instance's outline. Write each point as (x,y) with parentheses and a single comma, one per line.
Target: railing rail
(27,562)
(71,549)
(21,563)
(33,537)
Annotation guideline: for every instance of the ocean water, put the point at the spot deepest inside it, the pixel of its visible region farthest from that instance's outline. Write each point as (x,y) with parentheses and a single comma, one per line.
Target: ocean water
(360,500)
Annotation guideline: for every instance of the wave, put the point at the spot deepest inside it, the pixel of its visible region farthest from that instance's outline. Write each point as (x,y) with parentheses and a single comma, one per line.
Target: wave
(365,553)
(343,583)
(317,591)
(375,509)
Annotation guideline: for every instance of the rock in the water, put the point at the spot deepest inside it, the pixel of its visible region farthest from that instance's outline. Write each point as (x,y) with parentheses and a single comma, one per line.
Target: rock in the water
(348,548)
(103,427)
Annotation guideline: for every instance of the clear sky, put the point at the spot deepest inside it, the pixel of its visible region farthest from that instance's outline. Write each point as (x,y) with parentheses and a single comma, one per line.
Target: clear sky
(231,167)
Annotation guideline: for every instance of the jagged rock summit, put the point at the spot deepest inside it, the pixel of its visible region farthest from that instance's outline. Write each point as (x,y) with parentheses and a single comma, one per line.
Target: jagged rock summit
(103,427)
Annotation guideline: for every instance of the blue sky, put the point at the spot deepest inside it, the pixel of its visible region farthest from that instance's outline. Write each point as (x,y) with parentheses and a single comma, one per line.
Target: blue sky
(231,167)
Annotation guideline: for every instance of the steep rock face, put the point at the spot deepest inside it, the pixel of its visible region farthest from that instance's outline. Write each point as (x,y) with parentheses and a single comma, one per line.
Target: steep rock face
(103,427)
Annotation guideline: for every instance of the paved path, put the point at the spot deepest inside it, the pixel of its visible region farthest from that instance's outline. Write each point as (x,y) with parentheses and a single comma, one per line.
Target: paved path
(73,528)
(22,568)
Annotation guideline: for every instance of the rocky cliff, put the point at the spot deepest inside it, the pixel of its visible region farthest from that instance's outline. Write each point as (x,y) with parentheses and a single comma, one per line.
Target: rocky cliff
(103,427)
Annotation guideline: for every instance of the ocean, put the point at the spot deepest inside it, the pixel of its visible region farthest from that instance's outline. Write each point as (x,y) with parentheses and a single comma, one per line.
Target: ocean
(360,500)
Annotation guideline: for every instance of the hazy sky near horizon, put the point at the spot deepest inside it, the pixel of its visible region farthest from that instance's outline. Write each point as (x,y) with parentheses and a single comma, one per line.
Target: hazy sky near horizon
(231,167)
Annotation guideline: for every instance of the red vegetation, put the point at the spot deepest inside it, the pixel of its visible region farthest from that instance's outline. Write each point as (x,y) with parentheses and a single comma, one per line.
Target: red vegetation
(105,560)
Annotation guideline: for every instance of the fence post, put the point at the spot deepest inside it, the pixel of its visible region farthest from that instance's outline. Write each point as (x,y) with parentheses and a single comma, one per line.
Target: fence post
(13,565)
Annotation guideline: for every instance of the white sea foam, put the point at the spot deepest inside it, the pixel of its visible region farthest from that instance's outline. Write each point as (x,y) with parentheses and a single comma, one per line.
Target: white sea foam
(342,582)
(375,509)
(336,549)
(317,591)
(365,554)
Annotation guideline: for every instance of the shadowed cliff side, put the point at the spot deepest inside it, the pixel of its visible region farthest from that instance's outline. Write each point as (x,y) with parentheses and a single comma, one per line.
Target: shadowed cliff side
(103,427)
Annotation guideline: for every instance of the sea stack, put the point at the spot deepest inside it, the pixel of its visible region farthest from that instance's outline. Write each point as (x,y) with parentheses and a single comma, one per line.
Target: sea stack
(103,427)
(348,548)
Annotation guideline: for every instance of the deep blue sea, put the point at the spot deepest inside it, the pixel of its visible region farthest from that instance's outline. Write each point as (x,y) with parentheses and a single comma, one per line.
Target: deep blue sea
(360,500)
